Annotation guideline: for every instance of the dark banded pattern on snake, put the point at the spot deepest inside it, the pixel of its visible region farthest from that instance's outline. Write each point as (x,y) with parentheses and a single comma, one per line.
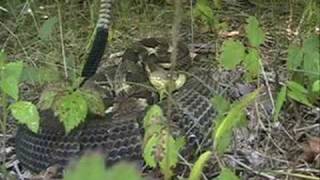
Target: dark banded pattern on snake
(118,135)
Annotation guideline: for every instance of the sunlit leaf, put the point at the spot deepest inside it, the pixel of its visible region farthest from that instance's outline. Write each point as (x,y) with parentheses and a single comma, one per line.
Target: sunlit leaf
(72,110)
(252,63)
(26,113)
(171,151)
(47,28)
(227,174)
(153,114)
(233,53)
(199,165)
(149,151)
(10,79)
(281,98)
(254,32)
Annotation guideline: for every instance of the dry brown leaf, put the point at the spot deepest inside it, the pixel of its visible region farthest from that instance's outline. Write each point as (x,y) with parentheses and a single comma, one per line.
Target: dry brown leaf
(311,149)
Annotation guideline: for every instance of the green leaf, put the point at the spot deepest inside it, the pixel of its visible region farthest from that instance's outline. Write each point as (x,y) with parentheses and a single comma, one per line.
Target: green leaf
(311,44)
(316,86)
(311,65)
(89,167)
(10,76)
(49,74)
(300,97)
(47,28)
(252,63)
(41,75)
(9,86)
(149,150)
(281,98)
(199,165)
(171,151)
(222,106)
(94,101)
(153,114)
(72,110)
(30,74)
(26,113)
(233,53)
(254,32)
(294,86)
(311,50)
(47,99)
(295,57)
(204,10)
(223,132)
(227,174)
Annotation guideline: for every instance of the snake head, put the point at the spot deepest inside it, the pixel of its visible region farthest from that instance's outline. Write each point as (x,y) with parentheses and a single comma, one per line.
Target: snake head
(164,81)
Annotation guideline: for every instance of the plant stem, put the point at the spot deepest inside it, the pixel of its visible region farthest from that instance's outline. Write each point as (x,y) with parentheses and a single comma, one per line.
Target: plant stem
(3,123)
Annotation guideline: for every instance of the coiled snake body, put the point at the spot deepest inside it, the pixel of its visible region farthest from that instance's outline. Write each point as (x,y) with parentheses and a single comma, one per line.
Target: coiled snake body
(119,134)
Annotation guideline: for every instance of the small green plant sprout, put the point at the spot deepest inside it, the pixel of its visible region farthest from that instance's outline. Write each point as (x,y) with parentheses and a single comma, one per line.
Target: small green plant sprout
(93,167)
(234,52)
(160,148)
(230,116)
(234,118)
(197,169)
(25,112)
(205,14)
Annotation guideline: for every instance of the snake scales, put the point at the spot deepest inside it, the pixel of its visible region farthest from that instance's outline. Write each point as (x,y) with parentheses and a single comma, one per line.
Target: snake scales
(119,134)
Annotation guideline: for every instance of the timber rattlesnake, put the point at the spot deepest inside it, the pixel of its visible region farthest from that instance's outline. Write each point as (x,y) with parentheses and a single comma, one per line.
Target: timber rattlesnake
(119,134)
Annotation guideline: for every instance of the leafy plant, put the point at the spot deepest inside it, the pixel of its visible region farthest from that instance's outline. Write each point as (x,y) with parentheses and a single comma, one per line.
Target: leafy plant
(199,165)
(234,52)
(25,112)
(71,105)
(223,131)
(306,58)
(303,58)
(160,147)
(205,14)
